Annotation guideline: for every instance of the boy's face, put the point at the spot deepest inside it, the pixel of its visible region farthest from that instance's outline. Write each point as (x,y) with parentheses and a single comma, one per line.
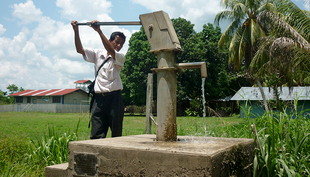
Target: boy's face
(117,43)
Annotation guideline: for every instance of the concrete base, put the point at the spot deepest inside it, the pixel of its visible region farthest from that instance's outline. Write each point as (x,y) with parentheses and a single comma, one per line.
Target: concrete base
(142,155)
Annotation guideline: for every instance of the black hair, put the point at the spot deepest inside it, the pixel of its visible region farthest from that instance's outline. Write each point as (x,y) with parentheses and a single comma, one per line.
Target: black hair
(120,34)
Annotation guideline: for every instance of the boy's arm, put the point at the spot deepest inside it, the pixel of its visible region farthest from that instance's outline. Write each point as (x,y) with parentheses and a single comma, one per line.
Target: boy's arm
(78,44)
(106,43)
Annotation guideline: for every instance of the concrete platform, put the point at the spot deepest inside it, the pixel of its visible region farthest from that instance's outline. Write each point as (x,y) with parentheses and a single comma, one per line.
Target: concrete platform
(142,155)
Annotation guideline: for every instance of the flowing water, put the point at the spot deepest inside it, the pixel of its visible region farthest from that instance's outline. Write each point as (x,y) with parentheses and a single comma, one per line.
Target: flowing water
(204,103)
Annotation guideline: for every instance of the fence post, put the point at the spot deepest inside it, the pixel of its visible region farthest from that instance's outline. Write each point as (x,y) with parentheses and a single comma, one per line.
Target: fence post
(149,101)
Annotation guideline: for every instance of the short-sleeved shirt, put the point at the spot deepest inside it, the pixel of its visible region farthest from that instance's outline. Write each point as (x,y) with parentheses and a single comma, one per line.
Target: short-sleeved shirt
(108,78)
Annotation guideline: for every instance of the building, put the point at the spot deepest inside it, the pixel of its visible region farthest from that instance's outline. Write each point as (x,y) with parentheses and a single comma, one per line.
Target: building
(48,96)
(251,102)
(51,100)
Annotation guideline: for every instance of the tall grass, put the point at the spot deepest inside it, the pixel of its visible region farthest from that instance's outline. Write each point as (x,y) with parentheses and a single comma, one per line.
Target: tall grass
(51,149)
(282,144)
(38,153)
(282,140)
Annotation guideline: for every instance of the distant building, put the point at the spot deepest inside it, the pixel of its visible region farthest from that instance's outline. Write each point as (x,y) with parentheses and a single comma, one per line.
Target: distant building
(51,100)
(48,96)
(250,97)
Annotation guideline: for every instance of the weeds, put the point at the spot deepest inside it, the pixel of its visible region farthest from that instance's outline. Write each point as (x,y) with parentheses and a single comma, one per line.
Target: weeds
(50,150)
(283,145)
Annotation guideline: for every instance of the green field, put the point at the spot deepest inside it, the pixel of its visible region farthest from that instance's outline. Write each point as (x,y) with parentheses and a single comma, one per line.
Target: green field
(31,141)
(24,134)
(34,125)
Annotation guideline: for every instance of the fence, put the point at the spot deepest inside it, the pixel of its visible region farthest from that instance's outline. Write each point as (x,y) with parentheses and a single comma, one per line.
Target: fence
(55,108)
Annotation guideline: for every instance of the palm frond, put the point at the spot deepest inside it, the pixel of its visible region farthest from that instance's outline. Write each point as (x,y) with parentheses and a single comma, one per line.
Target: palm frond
(226,35)
(296,17)
(281,27)
(234,49)
(261,53)
(224,15)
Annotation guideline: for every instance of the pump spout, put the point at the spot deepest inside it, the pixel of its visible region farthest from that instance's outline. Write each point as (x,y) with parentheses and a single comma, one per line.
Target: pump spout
(201,65)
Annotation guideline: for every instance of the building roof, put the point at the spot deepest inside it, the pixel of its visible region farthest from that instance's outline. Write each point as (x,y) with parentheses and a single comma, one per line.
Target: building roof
(82,81)
(253,93)
(45,92)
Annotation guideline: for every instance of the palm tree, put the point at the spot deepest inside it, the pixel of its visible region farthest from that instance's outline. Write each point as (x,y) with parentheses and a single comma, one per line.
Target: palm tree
(285,52)
(243,30)
(282,57)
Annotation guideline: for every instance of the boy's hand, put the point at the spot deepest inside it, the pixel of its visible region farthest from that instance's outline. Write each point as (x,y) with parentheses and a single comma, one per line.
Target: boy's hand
(74,26)
(95,27)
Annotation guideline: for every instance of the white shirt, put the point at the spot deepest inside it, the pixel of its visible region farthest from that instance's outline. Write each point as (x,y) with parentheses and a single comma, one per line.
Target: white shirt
(108,78)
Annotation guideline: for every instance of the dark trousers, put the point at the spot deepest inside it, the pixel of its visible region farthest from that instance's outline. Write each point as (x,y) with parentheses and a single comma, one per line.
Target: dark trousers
(107,111)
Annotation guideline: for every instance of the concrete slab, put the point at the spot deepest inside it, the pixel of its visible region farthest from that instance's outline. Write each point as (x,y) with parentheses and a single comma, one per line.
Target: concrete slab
(142,155)
(59,170)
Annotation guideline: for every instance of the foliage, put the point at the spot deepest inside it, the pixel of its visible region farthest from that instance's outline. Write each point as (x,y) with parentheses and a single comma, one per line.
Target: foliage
(11,155)
(139,61)
(21,130)
(270,38)
(12,88)
(282,150)
(4,98)
(52,149)
(285,51)
(282,145)
(243,31)
(197,47)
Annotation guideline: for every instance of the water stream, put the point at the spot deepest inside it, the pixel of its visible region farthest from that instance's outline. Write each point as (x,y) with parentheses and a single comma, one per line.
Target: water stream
(204,103)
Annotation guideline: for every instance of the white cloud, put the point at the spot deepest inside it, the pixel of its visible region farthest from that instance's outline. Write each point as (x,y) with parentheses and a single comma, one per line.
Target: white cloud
(3,45)
(27,12)
(72,67)
(2,29)
(173,7)
(5,69)
(84,9)
(67,6)
(29,48)
(307,5)
(199,12)
(14,47)
(43,55)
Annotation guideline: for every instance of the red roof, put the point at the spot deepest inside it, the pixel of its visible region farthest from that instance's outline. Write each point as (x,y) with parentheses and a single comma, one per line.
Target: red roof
(82,81)
(45,92)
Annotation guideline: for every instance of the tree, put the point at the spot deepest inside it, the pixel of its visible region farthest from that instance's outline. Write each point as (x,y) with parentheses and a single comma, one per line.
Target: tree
(139,61)
(4,98)
(244,29)
(282,57)
(284,54)
(197,47)
(12,88)
(282,48)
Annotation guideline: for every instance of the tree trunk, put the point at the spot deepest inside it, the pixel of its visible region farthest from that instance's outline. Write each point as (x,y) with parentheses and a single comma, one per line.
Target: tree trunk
(263,95)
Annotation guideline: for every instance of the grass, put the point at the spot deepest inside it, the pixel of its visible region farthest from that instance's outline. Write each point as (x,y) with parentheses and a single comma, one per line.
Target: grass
(31,141)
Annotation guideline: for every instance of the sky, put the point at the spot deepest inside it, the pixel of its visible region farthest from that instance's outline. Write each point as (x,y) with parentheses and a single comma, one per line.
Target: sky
(37,48)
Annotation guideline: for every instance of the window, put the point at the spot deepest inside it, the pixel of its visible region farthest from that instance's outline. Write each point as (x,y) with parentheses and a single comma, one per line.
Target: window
(19,99)
(28,99)
(56,99)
